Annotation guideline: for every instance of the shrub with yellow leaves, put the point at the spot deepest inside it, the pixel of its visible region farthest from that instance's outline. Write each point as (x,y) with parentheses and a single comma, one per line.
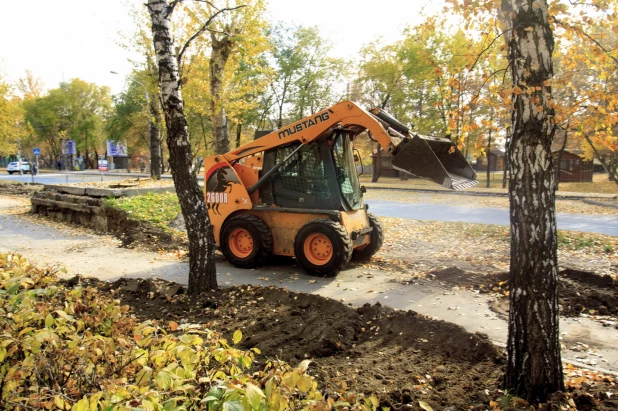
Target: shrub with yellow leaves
(71,348)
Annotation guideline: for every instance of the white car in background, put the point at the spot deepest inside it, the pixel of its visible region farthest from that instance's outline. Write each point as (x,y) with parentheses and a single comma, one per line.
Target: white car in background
(14,167)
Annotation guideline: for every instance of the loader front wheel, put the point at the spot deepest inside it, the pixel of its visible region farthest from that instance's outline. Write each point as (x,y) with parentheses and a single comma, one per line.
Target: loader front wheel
(376,239)
(246,241)
(323,247)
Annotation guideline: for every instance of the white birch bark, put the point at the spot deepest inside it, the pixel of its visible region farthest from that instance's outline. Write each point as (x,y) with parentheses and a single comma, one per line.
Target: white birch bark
(534,368)
(202,272)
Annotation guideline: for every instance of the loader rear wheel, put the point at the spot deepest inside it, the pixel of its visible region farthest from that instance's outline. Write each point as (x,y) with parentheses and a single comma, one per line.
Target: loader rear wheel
(323,247)
(376,239)
(246,241)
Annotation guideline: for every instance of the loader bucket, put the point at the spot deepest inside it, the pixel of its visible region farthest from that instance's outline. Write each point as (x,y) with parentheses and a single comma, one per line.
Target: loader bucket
(436,159)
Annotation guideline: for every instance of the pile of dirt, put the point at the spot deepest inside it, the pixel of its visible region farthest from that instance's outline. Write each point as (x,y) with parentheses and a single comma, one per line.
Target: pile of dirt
(579,292)
(403,357)
(589,293)
(139,234)
(484,283)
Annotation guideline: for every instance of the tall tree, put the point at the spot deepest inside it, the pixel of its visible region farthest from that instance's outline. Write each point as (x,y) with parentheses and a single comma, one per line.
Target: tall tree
(235,69)
(75,110)
(534,366)
(47,125)
(202,272)
(588,99)
(288,64)
(129,121)
(11,119)
(230,35)
(30,86)
(319,73)
(381,80)
(305,75)
(222,45)
(145,74)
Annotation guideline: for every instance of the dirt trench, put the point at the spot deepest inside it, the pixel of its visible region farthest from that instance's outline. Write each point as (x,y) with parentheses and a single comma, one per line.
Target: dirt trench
(402,356)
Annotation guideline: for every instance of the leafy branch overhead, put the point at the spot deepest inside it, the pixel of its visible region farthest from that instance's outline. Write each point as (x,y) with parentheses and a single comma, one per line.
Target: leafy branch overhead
(205,27)
(584,104)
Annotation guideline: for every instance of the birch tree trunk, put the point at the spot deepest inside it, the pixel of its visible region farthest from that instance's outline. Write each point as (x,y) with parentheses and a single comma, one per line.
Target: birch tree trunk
(155,137)
(155,147)
(202,273)
(534,368)
(220,53)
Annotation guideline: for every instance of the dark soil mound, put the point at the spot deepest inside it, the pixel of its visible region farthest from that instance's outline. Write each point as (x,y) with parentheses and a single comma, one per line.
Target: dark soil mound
(403,357)
(457,276)
(589,279)
(578,291)
(139,233)
(582,291)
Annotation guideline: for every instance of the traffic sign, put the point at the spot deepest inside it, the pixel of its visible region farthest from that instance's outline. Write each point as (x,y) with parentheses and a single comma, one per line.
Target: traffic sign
(36,151)
(69,147)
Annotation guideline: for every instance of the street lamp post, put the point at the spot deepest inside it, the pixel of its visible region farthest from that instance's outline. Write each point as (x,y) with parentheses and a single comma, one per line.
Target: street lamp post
(147,109)
(19,155)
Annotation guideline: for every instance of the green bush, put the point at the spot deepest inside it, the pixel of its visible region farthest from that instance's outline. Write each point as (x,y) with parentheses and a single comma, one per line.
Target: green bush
(75,349)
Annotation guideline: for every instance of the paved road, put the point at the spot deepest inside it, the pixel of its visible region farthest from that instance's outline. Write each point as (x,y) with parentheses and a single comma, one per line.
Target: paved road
(101,257)
(64,178)
(439,212)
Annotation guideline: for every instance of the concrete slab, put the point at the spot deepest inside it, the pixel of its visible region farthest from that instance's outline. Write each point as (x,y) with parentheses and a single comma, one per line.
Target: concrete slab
(78,191)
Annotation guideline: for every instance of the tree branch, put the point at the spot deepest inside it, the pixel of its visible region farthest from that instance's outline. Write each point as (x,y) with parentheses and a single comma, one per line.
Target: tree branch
(218,32)
(589,37)
(170,8)
(583,3)
(207,2)
(601,159)
(487,48)
(204,28)
(478,93)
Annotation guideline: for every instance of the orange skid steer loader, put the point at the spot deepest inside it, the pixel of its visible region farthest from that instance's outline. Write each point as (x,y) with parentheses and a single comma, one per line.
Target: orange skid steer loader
(295,191)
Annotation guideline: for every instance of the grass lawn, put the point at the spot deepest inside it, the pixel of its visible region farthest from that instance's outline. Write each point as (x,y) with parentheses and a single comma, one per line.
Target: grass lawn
(157,209)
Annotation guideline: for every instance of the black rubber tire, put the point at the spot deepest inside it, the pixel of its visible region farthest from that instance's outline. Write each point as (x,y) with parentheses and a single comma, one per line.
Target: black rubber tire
(10,172)
(341,243)
(376,239)
(262,240)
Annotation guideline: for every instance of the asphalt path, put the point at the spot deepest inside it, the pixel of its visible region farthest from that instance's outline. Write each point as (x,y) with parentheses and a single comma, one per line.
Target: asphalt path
(433,212)
(64,178)
(100,256)
(449,213)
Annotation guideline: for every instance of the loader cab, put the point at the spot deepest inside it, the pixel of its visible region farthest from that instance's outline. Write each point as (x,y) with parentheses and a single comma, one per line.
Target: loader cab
(320,176)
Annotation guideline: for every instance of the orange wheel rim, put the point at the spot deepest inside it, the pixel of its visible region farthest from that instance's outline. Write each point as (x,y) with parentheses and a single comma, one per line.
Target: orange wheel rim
(241,243)
(318,249)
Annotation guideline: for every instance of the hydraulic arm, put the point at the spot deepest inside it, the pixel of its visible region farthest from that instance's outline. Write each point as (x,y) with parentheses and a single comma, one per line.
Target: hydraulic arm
(435,158)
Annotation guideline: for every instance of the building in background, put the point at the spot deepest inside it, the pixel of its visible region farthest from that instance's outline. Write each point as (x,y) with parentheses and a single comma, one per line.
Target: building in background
(573,167)
(497,161)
